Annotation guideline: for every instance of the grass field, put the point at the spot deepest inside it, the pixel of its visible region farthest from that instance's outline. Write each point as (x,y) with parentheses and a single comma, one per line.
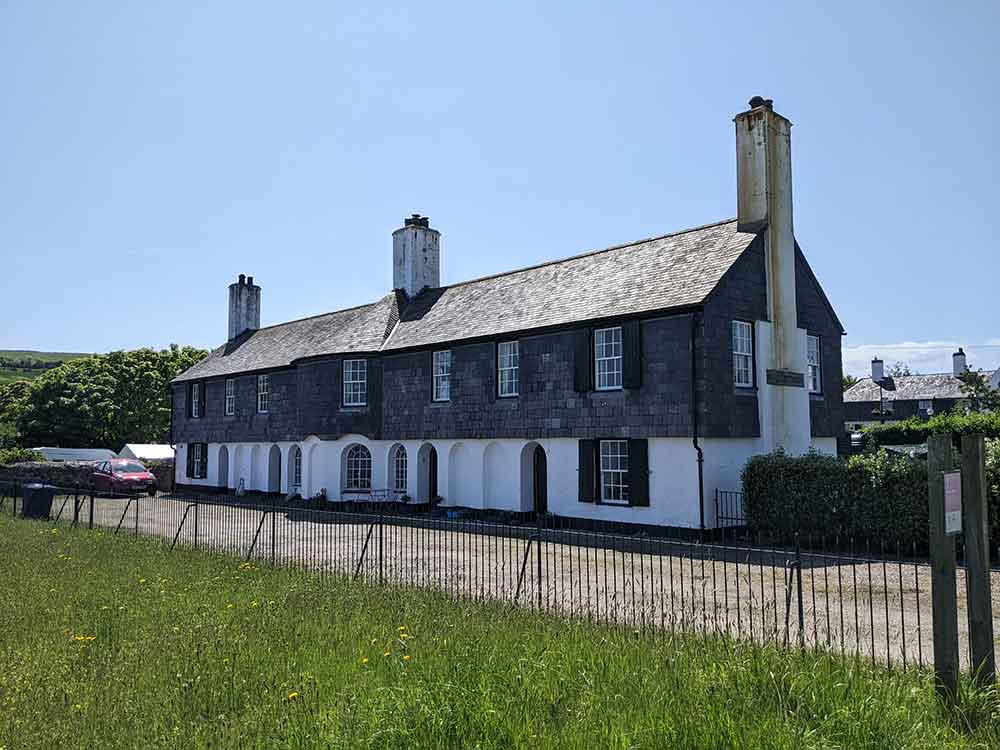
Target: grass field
(113,642)
(9,359)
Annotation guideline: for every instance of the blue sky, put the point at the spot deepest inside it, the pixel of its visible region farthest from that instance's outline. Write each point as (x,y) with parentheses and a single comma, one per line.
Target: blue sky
(155,150)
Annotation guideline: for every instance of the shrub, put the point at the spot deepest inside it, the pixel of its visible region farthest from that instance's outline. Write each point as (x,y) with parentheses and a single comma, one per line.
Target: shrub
(914,430)
(19,456)
(879,496)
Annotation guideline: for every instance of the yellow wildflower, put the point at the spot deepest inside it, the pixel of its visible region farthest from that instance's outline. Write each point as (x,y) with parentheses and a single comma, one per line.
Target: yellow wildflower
(364,660)
(401,628)
(293,696)
(387,653)
(84,638)
(406,658)
(142,580)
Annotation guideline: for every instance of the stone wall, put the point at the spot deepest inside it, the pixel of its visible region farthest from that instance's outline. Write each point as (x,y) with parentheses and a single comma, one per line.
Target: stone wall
(61,474)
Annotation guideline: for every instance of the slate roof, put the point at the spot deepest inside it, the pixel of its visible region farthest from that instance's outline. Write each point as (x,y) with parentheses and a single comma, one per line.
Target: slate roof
(675,270)
(907,388)
(660,273)
(357,329)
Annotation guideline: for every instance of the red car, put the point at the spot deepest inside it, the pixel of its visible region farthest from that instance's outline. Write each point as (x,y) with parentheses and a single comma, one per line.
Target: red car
(123,476)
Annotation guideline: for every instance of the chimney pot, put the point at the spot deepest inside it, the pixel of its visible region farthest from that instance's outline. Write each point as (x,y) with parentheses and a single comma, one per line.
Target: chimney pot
(249,280)
(243,279)
(958,363)
(759,101)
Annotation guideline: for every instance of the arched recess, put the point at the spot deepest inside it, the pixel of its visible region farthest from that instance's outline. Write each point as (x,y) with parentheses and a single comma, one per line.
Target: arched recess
(256,472)
(534,478)
(223,466)
(493,476)
(397,470)
(356,469)
(460,475)
(274,469)
(427,473)
(238,469)
(294,470)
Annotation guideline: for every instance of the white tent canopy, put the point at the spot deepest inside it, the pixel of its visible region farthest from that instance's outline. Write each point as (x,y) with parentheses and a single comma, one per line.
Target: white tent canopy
(147,451)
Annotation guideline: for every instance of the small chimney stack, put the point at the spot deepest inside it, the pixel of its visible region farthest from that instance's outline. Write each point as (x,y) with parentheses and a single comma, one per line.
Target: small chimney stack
(244,306)
(878,370)
(958,363)
(416,256)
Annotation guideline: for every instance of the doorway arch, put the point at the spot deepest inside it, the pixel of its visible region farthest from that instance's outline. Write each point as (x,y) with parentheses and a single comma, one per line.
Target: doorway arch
(427,473)
(274,469)
(224,467)
(534,479)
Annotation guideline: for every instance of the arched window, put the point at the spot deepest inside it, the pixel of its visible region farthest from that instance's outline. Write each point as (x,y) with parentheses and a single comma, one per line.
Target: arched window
(359,468)
(399,469)
(296,466)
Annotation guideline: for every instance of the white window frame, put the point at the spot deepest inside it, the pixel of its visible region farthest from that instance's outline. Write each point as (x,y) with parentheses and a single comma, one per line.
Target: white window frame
(196,461)
(230,397)
(441,376)
(355,389)
(400,463)
(926,404)
(814,359)
(263,393)
(608,359)
(358,469)
(296,467)
(508,368)
(196,400)
(614,471)
(743,354)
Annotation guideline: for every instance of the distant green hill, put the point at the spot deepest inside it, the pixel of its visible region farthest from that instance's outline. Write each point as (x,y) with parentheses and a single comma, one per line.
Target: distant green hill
(25,365)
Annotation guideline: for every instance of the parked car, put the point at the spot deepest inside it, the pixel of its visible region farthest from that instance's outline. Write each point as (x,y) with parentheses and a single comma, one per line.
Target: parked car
(123,476)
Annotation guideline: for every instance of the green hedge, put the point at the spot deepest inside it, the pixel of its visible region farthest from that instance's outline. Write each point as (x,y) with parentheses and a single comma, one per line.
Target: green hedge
(880,496)
(914,430)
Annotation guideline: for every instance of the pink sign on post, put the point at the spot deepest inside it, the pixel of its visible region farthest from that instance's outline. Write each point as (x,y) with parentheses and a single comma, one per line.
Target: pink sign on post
(953,502)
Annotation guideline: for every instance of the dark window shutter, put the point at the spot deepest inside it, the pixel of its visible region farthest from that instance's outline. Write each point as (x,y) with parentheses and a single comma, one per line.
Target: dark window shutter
(632,354)
(203,395)
(190,403)
(204,460)
(583,361)
(588,471)
(190,456)
(638,472)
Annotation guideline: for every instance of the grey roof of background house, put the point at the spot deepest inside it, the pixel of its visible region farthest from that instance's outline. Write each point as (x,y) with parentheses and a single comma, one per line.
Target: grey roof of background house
(907,388)
(660,273)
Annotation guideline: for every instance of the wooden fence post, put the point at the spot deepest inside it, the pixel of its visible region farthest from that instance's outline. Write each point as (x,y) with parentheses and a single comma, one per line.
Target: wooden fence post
(977,546)
(944,592)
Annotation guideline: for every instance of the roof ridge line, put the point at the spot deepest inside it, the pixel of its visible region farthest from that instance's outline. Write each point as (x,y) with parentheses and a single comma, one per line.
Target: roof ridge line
(588,253)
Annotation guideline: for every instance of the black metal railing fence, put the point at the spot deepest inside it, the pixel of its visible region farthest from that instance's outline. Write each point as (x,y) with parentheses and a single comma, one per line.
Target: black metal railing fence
(852,598)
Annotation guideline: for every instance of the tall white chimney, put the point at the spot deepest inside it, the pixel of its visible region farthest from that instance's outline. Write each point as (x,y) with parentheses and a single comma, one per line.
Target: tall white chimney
(244,306)
(958,364)
(764,206)
(416,257)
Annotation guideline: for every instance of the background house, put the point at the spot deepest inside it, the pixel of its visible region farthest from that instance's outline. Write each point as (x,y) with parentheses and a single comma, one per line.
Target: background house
(147,452)
(905,396)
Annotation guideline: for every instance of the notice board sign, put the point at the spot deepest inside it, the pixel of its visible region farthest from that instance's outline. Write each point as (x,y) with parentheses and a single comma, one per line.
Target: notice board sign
(952,502)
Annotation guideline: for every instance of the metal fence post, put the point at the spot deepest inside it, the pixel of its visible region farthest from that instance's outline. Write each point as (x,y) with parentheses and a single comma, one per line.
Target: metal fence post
(381,526)
(977,559)
(196,523)
(538,557)
(90,521)
(76,506)
(944,594)
(798,590)
(274,529)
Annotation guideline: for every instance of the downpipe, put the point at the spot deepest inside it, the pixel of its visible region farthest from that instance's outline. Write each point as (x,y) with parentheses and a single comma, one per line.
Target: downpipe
(695,319)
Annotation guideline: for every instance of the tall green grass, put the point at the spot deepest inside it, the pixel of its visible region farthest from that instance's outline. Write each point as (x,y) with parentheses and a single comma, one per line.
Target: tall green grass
(115,643)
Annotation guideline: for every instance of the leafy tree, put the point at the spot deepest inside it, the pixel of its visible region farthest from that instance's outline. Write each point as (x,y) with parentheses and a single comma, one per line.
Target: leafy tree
(105,400)
(899,368)
(13,397)
(848,381)
(979,394)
